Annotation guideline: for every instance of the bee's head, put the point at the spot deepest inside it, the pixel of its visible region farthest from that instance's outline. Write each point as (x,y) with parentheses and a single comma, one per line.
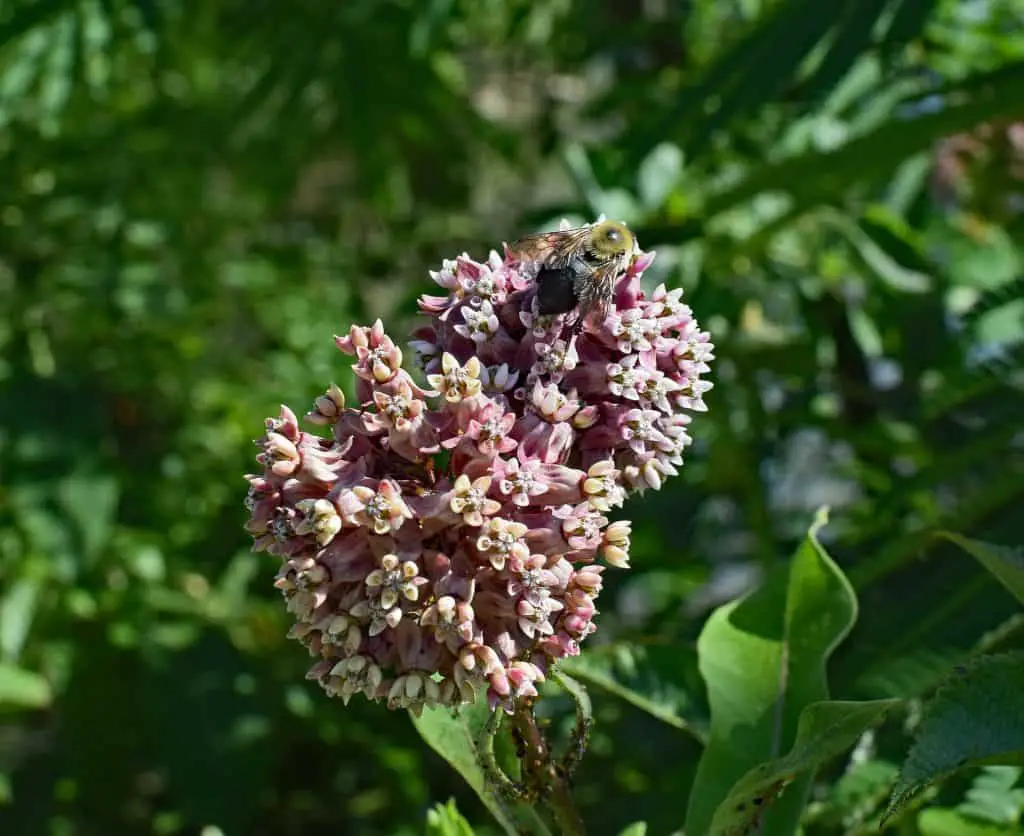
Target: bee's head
(611,239)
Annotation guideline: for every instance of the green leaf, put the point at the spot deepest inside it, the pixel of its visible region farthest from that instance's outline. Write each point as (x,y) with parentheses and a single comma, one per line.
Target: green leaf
(763,659)
(875,258)
(454,737)
(936,821)
(21,689)
(17,611)
(446,820)
(637,828)
(746,76)
(826,730)
(975,718)
(908,22)
(90,500)
(658,175)
(1007,564)
(853,38)
(815,176)
(994,796)
(647,677)
(895,236)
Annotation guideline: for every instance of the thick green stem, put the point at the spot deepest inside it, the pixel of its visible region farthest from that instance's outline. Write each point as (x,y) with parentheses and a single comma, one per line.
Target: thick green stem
(542,772)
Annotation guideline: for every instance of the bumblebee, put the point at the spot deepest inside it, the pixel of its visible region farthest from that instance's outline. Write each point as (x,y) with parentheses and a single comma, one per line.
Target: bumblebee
(578,267)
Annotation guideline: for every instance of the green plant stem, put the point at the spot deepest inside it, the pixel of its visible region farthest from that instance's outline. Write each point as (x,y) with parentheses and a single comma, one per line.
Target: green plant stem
(541,772)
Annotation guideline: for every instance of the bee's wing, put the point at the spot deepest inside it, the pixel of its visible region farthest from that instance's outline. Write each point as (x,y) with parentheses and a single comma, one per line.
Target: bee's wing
(596,289)
(555,249)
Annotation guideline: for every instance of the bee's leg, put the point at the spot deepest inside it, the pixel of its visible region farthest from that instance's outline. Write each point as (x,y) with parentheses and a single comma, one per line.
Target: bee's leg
(576,326)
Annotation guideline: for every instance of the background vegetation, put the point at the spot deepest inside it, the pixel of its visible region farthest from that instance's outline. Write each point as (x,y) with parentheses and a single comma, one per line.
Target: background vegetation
(194,197)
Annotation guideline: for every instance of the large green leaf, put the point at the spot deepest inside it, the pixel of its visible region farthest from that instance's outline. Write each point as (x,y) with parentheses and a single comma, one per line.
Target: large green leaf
(976,718)
(826,730)
(763,659)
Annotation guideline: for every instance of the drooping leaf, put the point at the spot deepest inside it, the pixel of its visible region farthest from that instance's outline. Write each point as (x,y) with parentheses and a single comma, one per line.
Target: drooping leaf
(975,718)
(826,730)
(763,659)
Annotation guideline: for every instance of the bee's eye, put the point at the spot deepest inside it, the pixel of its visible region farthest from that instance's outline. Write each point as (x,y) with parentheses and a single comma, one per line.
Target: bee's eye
(612,239)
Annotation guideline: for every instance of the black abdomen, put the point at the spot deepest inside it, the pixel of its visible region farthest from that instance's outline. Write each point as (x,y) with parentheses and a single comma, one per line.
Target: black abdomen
(556,291)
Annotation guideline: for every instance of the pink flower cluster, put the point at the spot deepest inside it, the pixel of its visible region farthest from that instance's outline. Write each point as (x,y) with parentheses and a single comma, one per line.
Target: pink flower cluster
(445,540)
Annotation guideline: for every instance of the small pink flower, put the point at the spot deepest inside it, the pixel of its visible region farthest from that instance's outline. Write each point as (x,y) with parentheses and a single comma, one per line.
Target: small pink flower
(522,481)
(322,520)
(395,580)
(634,331)
(581,526)
(452,621)
(479,324)
(457,383)
(383,509)
(500,540)
(497,380)
(379,359)
(328,407)
(470,500)
(492,432)
(531,579)
(555,359)
(602,487)
(615,545)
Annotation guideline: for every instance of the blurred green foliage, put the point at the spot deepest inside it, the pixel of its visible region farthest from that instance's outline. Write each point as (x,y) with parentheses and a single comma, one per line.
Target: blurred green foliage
(195,197)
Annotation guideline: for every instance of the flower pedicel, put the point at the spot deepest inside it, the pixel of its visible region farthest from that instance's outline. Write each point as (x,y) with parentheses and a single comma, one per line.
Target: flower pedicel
(446,541)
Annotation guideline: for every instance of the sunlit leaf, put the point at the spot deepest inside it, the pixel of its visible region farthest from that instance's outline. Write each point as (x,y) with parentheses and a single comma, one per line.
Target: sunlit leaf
(446,820)
(17,609)
(763,659)
(936,821)
(994,796)
(20,689)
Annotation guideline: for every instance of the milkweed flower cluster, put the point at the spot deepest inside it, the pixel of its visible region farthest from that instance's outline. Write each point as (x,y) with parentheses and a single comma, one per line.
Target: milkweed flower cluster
(450,538)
